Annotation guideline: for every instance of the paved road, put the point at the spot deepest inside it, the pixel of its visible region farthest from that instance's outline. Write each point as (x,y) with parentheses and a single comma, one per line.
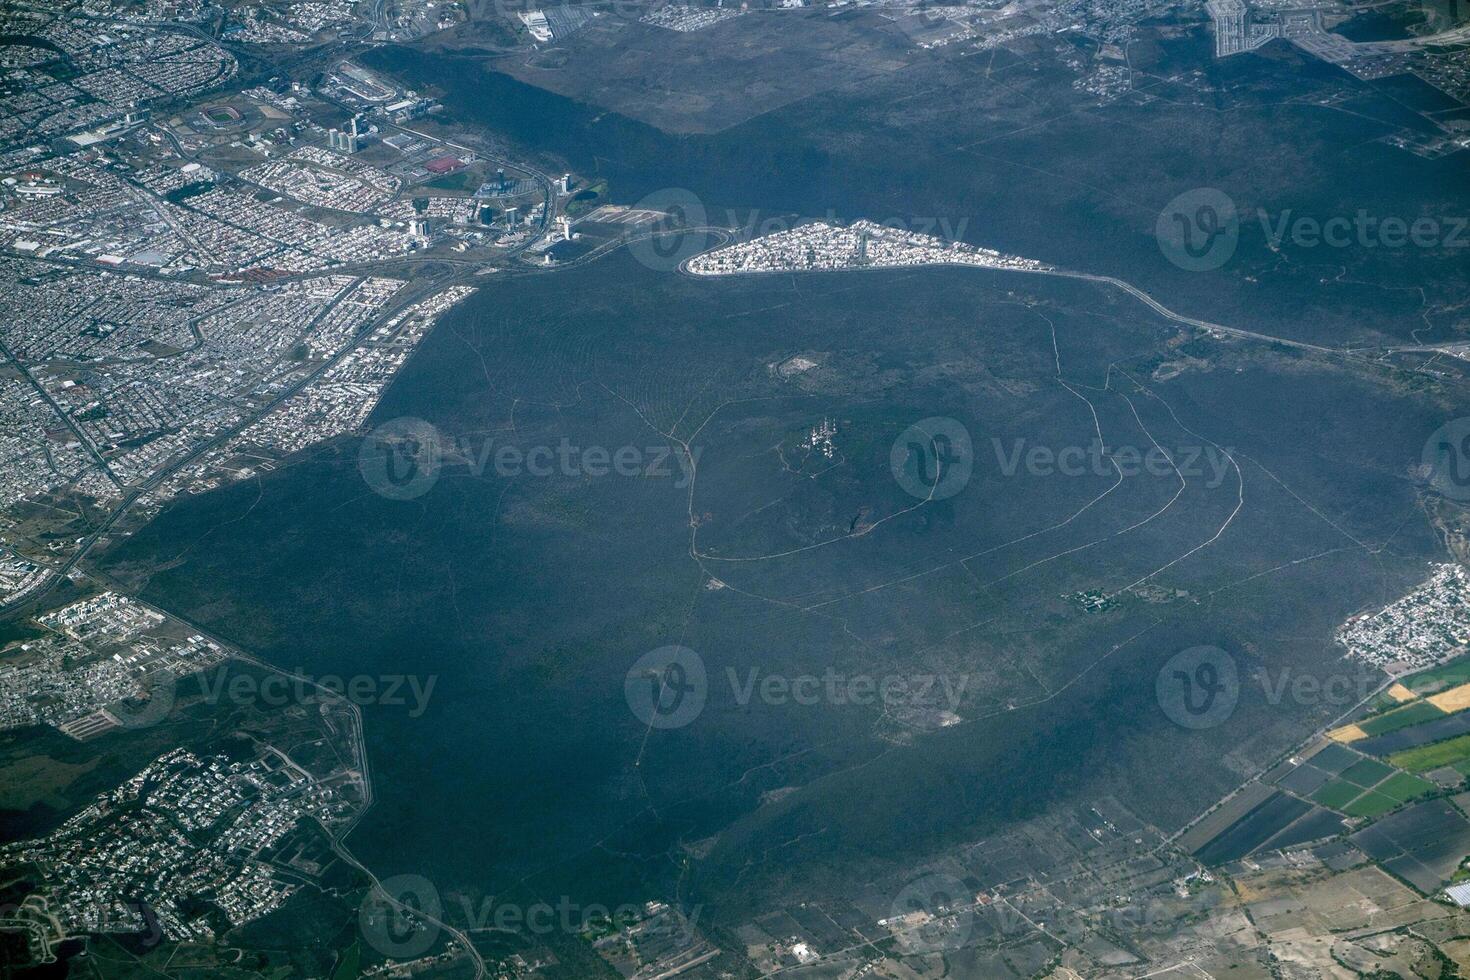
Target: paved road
(394,901)
(65,417)
(1169,314)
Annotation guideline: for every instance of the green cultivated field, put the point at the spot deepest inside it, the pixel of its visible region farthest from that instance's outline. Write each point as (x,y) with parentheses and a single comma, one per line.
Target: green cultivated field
(348,965)
(1402,786)
(1334,758)
(1336,794)
(1367,773)
(1370,787)
(1425,757)
(1370,805)
(1440,678)
(1409,714)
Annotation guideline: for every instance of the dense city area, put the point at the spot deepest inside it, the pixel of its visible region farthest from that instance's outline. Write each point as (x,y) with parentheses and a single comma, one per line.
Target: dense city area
(863,244)
(1423,629)
(224,233)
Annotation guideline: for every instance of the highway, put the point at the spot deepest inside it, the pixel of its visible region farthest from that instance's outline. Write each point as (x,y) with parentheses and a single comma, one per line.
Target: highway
(65,418)
(1169,314)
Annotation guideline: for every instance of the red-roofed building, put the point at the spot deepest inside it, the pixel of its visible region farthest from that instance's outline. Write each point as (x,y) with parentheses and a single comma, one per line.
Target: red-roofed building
(443,165)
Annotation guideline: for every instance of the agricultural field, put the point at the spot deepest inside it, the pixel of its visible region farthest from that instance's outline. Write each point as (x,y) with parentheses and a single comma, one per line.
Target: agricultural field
(1420,725)
(1333,759)
(1414,713)
(1337,794)
(1370,804)
(1454,752)
(1402,787)
(1417,698)
(1424,697)
(1418,838)
(1314,793)
(1442,678)
(1366,772)
(1455,699)
(1423,843)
